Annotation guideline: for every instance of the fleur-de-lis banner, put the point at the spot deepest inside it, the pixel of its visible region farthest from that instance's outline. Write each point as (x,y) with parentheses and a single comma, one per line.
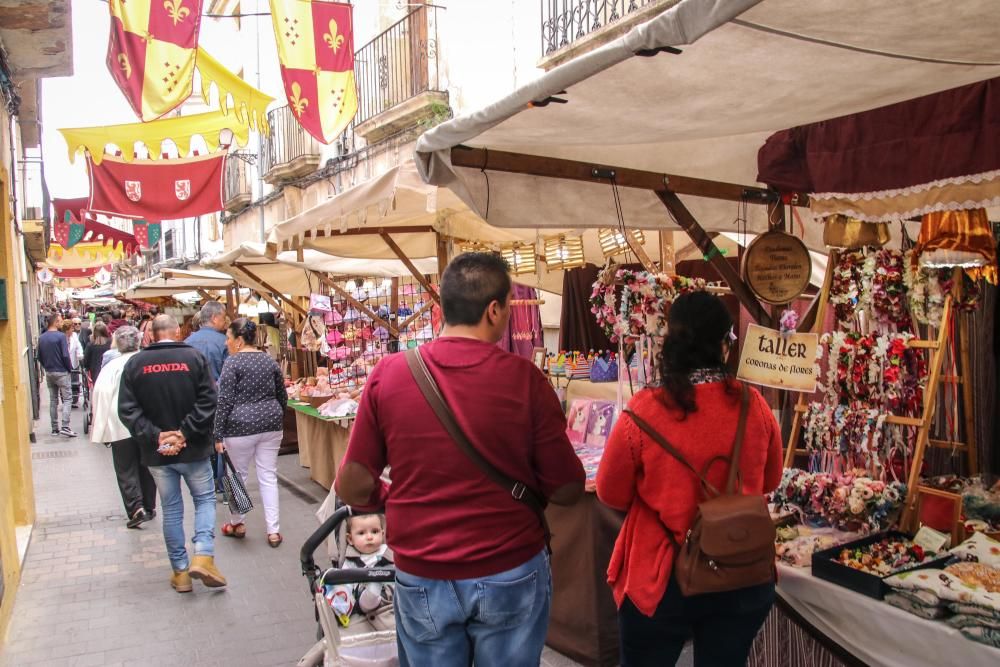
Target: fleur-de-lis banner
(151,52)
(316,50)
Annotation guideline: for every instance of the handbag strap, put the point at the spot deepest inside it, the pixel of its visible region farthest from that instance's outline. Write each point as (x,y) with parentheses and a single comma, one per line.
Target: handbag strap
(734,457)
(519,491)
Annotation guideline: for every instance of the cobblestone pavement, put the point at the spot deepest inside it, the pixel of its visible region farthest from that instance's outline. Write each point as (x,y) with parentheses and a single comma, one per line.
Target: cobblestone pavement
(94,592)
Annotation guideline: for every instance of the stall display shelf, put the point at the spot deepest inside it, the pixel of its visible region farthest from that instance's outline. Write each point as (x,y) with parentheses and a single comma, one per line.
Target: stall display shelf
(307,409)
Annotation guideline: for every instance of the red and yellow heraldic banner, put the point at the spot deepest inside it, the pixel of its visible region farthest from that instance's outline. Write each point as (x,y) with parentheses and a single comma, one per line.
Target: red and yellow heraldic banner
(316,50)
(151,52)
(157,190)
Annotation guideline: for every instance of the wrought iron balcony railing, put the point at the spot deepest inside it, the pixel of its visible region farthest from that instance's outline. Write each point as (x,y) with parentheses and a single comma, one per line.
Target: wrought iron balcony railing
(238,190)
(399,64)
(289,152)
(565,21)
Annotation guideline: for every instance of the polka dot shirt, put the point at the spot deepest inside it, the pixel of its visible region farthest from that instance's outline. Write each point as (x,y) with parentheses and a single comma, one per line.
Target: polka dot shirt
(252,396)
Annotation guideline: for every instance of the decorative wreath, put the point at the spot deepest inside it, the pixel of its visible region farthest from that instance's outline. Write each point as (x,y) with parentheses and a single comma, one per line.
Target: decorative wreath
(644,296)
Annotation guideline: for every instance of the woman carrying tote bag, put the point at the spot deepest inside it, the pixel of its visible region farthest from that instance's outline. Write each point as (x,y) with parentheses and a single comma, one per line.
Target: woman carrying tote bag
(248,421)
(697,410)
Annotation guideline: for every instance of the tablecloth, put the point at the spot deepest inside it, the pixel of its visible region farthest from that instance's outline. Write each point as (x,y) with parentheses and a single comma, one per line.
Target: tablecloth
(322,443)
(874,632)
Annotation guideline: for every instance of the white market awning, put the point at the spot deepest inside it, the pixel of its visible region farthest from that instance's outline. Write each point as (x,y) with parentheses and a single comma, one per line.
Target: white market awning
(748,68)
(173,282)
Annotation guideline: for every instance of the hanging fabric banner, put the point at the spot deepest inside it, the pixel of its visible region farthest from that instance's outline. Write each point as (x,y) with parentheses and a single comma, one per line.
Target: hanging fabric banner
(157,190)
(179,130)
(147,233)
(151,52)
(74,206)
(249,104)
(316,50)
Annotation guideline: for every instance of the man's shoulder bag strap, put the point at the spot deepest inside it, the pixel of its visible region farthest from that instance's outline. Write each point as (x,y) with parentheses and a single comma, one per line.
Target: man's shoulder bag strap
(519,491)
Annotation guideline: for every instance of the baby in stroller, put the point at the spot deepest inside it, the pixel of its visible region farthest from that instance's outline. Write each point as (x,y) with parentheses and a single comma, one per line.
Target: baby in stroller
(371,601)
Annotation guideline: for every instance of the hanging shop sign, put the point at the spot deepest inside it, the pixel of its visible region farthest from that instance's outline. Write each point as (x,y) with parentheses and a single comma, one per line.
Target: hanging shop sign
(777,267)
(151,52)
(316,51)
(157,190)
(780,360)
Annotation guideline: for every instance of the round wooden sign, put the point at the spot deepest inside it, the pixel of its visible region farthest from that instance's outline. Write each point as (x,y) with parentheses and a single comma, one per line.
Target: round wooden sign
(777,267)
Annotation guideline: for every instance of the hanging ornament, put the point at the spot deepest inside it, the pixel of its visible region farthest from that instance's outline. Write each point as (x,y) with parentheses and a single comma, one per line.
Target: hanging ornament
(146,233)
(44,275)
(68,232)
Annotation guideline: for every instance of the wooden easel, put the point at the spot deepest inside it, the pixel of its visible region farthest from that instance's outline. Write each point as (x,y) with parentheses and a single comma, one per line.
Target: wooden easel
(939,347)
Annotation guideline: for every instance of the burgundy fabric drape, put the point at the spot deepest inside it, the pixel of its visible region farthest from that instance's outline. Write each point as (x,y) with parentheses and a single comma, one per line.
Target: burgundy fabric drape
(524,331)
(945,135)
(578,330)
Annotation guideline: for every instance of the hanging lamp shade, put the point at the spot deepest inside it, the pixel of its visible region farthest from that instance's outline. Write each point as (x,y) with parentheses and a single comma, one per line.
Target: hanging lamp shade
(613,241)
(564,252)
(520,257)
(473,246)
(958,239)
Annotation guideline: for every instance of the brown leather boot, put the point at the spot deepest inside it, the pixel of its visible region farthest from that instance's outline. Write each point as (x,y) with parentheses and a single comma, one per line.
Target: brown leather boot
(181,581)
(203,568)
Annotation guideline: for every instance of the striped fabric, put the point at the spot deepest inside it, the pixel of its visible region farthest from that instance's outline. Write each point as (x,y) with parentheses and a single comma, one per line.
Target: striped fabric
(958,238)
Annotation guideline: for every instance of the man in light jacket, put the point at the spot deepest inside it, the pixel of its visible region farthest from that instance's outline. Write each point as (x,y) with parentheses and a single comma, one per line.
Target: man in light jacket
(135,483)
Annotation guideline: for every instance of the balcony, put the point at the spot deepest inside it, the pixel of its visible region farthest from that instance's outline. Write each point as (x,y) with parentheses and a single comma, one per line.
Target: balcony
(237,191)
(399,77)
(289,152)
(573,27)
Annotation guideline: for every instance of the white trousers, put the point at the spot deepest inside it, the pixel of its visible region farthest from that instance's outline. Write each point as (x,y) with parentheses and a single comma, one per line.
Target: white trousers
(262,448)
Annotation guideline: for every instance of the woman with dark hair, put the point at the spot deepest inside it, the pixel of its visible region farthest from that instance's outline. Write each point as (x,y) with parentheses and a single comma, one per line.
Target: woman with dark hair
(100,342)
(248,420)
(696,409)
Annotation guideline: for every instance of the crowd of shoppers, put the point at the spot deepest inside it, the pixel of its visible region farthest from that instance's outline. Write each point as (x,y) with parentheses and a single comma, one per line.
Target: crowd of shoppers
(473,575)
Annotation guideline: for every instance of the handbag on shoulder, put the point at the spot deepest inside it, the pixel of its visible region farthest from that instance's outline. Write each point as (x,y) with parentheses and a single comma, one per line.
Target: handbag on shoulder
(731,542)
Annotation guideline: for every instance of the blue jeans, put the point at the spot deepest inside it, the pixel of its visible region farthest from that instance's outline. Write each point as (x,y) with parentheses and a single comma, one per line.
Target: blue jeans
(497,620)
(198,477)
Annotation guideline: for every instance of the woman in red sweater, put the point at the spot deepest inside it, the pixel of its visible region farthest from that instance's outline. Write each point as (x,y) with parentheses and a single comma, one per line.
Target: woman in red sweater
(696,408)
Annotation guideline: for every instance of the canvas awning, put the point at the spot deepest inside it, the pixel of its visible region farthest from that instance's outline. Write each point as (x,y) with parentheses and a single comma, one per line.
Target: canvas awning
(748,68)
(171,282)
(250,265)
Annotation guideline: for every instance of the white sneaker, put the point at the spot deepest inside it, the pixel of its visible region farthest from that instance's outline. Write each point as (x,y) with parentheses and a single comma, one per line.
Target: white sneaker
(67,432)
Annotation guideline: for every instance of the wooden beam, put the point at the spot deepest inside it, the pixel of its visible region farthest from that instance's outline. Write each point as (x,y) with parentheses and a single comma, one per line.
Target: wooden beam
(357,304)
(640,253)
(409,265)
(204,295)
(442,253)
(278,295)
(710,250)
(535,165)
(369,231)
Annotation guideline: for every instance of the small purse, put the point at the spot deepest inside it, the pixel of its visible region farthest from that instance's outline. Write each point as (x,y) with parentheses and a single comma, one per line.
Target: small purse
(319,303)
(234,489)
(603,370)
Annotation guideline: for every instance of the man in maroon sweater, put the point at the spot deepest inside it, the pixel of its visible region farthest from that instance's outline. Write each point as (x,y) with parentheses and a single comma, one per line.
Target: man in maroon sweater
(473,577)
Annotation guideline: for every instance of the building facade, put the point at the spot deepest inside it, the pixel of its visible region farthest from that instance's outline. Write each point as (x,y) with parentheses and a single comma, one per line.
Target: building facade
(35,43)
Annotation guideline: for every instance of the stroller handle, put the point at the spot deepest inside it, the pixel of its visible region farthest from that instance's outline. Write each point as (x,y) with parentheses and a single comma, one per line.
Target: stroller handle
(319,535)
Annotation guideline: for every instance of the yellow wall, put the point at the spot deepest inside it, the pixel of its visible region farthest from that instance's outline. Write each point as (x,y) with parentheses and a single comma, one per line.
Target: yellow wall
(17,502)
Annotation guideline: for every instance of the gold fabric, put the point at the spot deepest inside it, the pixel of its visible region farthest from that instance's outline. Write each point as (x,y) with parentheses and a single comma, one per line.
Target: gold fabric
(970,194)
(958,238)
(180,129)
(841,231)
(249,104)
(82,255)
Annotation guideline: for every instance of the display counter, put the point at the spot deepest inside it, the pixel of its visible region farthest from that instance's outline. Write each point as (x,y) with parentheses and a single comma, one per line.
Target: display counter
(821,623)
(322,442)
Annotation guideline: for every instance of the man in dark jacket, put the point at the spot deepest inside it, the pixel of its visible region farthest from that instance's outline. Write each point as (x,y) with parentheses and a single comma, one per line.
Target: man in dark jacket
(167,400)
(53,355)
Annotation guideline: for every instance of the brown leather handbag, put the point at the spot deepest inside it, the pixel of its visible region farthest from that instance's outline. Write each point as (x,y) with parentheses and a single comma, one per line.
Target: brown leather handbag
(731,542)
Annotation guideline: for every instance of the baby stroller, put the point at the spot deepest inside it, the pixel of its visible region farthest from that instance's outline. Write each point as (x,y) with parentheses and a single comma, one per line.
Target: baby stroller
(87,407)
(340,647)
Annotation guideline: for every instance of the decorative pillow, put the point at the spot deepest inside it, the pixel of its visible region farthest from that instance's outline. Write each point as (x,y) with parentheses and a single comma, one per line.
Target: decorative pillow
(906,603)
(983,635)
(979,549)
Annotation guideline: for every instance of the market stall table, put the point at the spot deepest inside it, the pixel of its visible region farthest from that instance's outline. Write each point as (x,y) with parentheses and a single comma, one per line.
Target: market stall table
(873,632)
(322,442)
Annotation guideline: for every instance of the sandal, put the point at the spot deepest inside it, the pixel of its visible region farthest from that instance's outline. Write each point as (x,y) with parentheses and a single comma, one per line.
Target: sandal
(239,530)
(274,540)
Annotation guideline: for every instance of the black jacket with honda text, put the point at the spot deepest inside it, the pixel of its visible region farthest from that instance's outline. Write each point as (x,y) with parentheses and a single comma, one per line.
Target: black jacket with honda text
(168,387)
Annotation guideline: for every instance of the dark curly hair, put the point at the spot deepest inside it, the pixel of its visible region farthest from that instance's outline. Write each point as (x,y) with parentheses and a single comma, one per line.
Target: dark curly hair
(697,325)
(244,327)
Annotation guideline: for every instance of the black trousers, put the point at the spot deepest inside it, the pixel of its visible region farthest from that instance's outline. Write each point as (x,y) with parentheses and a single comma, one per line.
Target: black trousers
(722,625)
(136,485)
